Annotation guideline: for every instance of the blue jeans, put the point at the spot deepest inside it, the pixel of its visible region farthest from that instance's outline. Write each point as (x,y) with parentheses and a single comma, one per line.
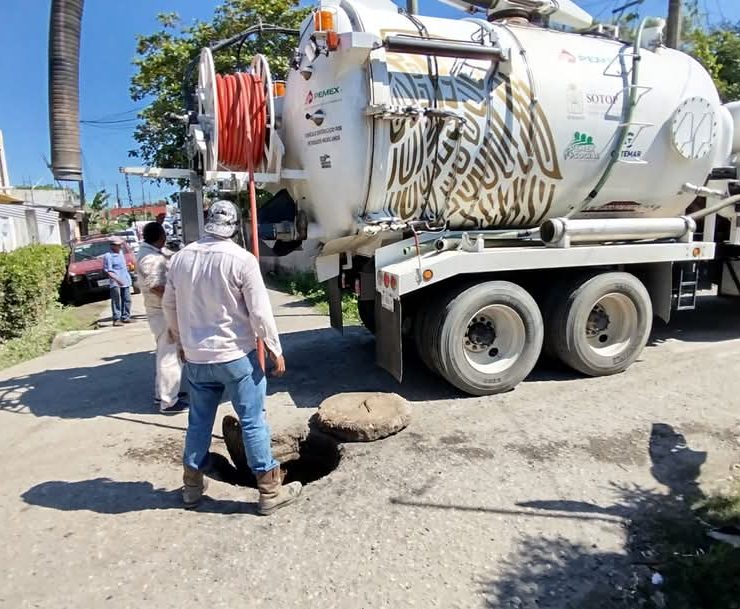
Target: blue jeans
(120,302)
(246,384)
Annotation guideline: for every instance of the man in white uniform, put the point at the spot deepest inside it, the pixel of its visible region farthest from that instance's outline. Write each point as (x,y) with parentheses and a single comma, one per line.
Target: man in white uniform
(152,269)
(216,305)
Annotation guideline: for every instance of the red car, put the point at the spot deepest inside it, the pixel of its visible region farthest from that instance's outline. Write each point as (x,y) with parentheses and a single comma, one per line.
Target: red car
(85,274)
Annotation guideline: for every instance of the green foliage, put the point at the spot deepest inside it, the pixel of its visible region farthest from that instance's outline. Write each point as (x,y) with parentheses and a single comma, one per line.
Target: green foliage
(719,52)
(315,294)
(722,509)
(29,285)
(106,226)
(36,340)
(96,208)
(163,56)
(716,48)
(699,572)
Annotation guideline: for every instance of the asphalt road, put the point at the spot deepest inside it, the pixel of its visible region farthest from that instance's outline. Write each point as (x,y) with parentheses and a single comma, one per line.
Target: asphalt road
(520,500)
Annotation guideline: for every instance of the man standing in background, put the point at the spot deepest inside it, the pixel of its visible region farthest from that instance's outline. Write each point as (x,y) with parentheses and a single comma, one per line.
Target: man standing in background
(152,268)
(114,265)
(216,305)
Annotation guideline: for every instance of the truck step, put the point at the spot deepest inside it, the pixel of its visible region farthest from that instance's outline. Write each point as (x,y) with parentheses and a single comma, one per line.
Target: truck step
(687,288)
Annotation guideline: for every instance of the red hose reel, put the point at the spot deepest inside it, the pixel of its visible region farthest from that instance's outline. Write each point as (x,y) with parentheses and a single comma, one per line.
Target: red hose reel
(237,112)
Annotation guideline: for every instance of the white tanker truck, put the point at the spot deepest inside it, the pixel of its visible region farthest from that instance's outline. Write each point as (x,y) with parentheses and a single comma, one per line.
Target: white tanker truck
(489,186)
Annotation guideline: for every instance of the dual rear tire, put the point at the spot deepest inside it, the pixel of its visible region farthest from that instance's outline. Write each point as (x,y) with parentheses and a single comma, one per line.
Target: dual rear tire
(487,338)
(600,325)
(484,339)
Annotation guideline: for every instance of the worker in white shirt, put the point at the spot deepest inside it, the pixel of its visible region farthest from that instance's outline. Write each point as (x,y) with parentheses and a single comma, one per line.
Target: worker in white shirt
(217,306)
(152,270)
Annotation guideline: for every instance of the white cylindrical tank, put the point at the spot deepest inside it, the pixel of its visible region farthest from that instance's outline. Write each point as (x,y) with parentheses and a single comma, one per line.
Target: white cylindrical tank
(509,143)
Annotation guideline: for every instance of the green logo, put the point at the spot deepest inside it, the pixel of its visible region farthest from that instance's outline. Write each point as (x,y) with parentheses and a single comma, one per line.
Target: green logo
(581,148)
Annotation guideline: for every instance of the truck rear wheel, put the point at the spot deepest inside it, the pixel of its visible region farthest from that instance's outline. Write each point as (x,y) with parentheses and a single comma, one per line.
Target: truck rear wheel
(426,328)
(366,311)
(486,338)
(601,324)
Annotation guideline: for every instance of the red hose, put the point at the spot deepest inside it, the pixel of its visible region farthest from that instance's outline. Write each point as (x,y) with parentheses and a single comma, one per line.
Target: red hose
(242,115)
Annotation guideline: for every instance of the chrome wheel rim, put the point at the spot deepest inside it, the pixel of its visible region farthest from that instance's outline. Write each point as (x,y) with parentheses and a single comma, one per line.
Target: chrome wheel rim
(611,324)
(494,339)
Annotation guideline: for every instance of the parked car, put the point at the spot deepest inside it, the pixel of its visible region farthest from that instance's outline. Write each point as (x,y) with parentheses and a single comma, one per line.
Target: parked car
(131,236)
(85,275)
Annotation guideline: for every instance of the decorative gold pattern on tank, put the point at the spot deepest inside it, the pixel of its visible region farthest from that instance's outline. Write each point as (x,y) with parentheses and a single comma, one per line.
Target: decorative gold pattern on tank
(504,171)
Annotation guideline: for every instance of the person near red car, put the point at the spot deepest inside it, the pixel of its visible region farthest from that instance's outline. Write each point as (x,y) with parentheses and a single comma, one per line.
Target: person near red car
(114,264)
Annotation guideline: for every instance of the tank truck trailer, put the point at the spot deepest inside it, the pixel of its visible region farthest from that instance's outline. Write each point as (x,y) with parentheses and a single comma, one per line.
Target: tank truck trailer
(489,187)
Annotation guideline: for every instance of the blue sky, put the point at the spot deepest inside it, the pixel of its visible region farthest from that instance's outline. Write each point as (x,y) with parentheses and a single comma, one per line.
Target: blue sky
(108,45)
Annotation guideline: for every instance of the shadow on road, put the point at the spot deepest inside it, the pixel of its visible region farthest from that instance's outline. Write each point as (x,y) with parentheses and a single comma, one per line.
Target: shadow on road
(106,496)
(715,318)
(121,384)
(663,536)
(556,573)
(321,363)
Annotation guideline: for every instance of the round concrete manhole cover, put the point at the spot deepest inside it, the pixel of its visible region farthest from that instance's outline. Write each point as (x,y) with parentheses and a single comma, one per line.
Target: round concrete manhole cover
(363,417)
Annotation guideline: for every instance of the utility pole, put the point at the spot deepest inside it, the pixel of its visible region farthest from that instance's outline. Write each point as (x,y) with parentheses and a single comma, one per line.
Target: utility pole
(412,7)
(673,29)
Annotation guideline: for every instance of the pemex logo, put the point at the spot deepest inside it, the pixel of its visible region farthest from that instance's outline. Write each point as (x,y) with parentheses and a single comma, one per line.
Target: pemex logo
(567,57)
(329,92)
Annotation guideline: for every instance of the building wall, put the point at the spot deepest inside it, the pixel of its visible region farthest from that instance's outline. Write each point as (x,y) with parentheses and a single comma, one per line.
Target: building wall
(153,210)
(57,197)
(21,225)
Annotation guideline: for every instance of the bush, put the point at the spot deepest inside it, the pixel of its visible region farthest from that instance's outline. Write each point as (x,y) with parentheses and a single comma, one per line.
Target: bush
(29,285)
(316,294)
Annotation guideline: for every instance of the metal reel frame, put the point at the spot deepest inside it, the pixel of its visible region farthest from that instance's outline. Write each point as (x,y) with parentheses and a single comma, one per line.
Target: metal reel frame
(261,69)
(208,108)
(208,112)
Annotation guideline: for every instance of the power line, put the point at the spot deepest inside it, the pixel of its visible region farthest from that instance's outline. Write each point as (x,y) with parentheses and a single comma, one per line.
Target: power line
(125,127)
(115,115)
(113,122)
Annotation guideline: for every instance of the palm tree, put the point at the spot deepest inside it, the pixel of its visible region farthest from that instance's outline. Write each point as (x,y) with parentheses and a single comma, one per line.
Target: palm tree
(96,207)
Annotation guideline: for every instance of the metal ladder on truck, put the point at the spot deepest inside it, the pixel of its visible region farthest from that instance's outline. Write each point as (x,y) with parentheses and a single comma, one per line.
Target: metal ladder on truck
(688,286)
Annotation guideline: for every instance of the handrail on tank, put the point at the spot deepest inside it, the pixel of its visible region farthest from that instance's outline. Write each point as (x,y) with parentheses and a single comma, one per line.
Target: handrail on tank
(443,48)
(623,128)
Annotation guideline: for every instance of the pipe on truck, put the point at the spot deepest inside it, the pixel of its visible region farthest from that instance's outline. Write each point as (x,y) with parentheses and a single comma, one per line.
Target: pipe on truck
(615,229)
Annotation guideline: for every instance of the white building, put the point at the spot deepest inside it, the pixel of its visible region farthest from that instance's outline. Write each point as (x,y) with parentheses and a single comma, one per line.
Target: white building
(32,215)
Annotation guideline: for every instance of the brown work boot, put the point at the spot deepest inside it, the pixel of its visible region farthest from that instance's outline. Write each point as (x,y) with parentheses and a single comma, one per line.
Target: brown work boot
(273,495)
(194,485)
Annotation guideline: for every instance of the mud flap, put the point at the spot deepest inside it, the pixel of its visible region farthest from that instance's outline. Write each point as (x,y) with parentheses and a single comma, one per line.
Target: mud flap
(388,345)
(335,304)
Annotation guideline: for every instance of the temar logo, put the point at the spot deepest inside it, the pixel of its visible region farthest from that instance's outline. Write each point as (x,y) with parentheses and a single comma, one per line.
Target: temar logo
(629,151)
(582,148)
(319,95)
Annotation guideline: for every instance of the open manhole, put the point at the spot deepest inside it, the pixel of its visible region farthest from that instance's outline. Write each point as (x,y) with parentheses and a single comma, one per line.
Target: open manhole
(304,455)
